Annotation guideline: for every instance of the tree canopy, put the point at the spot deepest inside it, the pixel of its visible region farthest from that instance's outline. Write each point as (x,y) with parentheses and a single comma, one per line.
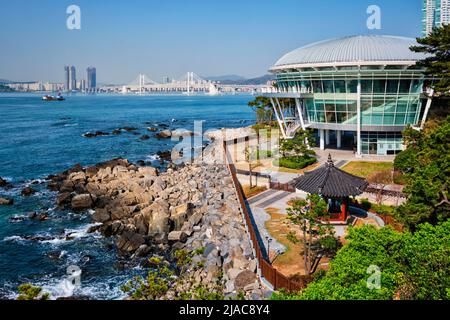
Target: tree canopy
(437,63)
(426,167)
(411,265)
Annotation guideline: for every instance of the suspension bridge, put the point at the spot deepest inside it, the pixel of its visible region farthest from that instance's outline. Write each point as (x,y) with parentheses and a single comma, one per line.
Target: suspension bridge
(189,83)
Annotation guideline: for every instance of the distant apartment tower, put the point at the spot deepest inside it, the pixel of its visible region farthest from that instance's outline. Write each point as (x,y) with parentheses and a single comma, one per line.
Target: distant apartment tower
(91,78)
(435,14)
(82,85)
(67,78)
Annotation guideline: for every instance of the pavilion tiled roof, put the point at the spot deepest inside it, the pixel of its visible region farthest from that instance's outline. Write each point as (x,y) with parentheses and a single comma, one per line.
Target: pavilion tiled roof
(331,182)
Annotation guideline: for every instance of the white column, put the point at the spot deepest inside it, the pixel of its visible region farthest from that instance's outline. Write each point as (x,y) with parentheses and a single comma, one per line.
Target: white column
(274,105)
(300,113)
(339,138)
(427,109)
(322,139)
(327,137)
(358,123)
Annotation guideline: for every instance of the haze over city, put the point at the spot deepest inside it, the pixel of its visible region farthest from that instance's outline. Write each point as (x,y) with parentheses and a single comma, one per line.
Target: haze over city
(158,38)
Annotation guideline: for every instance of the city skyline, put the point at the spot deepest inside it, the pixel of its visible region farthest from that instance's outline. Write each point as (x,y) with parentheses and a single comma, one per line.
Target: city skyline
(168,39)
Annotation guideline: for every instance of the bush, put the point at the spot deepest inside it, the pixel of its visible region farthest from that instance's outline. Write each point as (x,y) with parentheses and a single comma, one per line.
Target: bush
(296,162)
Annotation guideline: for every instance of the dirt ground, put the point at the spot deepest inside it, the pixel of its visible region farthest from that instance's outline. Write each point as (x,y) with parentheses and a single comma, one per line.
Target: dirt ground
(291,262)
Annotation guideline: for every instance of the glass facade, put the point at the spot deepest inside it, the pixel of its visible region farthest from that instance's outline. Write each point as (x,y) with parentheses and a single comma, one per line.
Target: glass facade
(390,97)
(381,143)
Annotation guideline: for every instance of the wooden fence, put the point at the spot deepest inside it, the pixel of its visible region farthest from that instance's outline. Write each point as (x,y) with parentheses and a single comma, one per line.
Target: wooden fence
(275,278)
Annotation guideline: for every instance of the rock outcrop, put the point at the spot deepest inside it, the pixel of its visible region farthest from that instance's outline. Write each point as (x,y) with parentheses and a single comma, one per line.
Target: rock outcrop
(188,208)
(3,182)
(6,202)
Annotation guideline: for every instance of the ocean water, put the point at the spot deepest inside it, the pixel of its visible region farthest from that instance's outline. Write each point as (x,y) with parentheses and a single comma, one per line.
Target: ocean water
(39,138)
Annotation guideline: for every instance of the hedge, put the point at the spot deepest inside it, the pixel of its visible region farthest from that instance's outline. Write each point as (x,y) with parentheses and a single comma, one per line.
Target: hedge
(296,162)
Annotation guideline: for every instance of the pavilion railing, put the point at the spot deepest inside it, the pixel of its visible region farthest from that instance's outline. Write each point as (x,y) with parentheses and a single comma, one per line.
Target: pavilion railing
(268,272)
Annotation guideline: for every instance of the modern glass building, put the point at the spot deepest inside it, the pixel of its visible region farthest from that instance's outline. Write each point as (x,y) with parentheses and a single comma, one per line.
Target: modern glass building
(91,78)
(356,92)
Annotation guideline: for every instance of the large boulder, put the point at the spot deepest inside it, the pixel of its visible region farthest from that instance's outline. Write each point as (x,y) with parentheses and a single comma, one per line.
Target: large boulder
(159,223)
(101,215)
(177,236)
(244,279)
(129,241)
(82,202)
(77,177)
(6,202)
(26,192)
(3,182)
(180,215)
(148,171)
(164,134)
(63,199)
(182,133)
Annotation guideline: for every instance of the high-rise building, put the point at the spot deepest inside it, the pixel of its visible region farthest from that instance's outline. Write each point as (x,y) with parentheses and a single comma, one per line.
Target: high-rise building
(435,14)
(73,79)
(91,78)
(82,85)
(67,78)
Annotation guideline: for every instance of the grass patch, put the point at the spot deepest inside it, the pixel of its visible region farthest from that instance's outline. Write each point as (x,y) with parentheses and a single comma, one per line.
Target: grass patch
(366,169)
(253,191)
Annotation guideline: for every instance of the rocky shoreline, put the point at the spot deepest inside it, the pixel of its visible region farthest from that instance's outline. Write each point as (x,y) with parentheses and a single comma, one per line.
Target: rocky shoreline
(191,207)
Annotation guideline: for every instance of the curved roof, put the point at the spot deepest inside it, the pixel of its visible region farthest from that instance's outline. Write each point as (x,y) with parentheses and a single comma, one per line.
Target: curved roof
(354,49)
(331,182)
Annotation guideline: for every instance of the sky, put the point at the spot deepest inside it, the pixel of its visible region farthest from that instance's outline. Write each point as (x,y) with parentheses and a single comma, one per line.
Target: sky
(170,37)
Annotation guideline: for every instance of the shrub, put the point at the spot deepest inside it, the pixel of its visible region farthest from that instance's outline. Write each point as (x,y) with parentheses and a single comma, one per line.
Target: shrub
(29,292)
(296,162)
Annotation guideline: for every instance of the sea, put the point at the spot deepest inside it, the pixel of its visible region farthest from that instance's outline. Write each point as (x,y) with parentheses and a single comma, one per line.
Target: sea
(39,138)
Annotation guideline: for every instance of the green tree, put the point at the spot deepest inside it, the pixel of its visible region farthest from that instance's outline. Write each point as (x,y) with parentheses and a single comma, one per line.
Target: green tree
(412,265)
(437,63)
(426,167)
(299,145)
(263,109)
(348,274)
(308,215)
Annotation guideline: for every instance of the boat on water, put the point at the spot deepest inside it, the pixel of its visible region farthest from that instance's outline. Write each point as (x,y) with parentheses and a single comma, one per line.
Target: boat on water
(59,97)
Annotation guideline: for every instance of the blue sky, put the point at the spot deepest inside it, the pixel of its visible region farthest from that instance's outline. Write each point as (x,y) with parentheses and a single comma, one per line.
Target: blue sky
(170,37)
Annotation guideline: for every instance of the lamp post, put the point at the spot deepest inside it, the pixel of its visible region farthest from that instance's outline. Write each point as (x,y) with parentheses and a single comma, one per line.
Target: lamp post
(269,240)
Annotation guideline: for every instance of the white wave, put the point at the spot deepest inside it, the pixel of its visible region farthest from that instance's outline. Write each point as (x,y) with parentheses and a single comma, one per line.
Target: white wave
(153,157)
(13,238)
(80,232)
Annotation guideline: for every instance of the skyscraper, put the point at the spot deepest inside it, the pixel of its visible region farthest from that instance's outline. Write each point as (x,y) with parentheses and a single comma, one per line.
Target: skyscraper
(91,78)
(435,14)
(73,78)
(67,78)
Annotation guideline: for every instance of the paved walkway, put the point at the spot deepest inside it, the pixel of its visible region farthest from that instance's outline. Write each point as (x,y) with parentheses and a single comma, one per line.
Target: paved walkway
(270,199)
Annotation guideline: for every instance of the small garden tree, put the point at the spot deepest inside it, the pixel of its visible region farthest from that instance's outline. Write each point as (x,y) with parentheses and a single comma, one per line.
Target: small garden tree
(318,237)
